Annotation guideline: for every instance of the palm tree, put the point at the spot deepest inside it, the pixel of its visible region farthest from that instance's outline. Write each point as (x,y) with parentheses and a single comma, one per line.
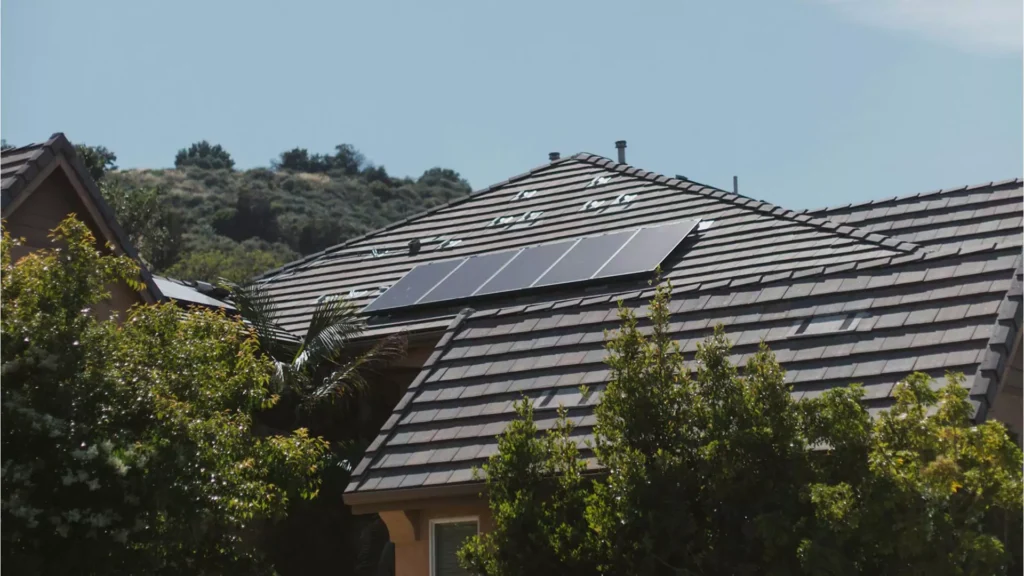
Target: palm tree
(334,385)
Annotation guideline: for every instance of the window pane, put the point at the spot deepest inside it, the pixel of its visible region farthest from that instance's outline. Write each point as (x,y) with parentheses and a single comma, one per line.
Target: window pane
(448,538)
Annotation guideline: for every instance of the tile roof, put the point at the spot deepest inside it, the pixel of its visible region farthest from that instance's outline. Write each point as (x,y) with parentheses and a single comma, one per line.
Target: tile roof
(748,240)
(950,303)
(950,310)
(966,216)
(20,166)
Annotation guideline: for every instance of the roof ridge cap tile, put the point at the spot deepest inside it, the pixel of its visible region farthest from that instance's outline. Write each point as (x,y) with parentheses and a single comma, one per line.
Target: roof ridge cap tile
(388,429)
(993,184)
(471,196)
(741,200)
(999,346)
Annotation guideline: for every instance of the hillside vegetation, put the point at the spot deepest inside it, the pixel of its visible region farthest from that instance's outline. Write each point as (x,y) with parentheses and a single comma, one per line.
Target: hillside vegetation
(204,220)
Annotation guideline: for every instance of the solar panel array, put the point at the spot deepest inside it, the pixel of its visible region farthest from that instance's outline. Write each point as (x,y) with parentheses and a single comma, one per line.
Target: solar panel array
(606,256)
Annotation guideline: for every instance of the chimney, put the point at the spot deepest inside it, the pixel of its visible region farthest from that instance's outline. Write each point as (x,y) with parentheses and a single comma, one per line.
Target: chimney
(621,147)
(735,184)
(552,156)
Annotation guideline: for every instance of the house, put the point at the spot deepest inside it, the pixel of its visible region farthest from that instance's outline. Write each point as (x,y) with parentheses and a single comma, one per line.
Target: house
(859,293)
(44,183)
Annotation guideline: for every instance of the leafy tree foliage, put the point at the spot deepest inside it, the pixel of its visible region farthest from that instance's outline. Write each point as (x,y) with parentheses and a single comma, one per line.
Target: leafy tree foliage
(724,473)
(346,160)
(97,159)
(152,226)
(129,448)
(337,391)
(204,155)
(279,215)
(253,217)
(235,263)
(4,145)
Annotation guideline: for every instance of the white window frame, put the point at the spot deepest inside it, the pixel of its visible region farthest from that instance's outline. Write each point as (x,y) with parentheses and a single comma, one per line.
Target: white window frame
(452,520)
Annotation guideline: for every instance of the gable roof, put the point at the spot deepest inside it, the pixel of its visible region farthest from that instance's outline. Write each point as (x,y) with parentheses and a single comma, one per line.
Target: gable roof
(748,238)
(21,170)
(952,304)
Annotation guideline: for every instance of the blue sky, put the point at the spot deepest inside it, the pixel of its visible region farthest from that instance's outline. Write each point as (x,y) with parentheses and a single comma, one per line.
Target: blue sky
(810,102)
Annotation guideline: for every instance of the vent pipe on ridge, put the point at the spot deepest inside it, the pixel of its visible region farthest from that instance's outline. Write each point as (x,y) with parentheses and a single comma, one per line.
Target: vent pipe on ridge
(735,184)
(552,156)
(621,147)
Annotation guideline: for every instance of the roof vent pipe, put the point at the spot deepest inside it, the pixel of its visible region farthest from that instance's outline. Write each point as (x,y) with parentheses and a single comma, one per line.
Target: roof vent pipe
(552,156)
(414,246)
(621,147)
(735,184)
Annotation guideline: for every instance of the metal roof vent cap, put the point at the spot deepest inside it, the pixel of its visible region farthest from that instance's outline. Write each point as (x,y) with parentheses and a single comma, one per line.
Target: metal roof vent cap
(621,147)
(414,246)
(552,156)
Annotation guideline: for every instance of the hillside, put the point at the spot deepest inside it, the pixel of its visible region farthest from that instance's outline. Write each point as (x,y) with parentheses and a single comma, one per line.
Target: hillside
(216,222)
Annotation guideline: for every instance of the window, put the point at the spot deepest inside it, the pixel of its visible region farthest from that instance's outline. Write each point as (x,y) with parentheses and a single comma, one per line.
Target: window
(446,537)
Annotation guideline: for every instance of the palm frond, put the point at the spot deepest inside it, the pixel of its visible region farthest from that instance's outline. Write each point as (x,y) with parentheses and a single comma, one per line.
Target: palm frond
(348,378)
(257,308)
(332,326)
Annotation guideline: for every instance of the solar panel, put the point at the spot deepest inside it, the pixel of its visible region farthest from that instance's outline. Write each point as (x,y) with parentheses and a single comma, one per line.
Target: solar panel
(414,285)
(647,249)
(626,252)
(585,258)
(467,278)
(526,267)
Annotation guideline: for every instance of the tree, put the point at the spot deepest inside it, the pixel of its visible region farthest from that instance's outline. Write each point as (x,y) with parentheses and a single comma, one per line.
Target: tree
(129,448)
(152,225)
(720,472)
(204,155)
(236,265)
(97,159)
(255,216)
(4,145)
(337,390)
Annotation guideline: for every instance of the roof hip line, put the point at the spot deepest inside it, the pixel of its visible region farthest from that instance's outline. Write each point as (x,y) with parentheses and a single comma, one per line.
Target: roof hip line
(426,370)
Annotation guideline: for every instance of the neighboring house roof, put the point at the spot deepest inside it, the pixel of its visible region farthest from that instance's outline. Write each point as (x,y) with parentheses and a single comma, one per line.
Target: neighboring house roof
(191,293)
(23,168)
(968,216)
(762,271)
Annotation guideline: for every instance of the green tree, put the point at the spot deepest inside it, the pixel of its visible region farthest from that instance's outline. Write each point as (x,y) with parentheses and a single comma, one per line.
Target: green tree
(152,225)
(722,472)
(4,145)
(97,159)
(237,264)
(334,387)
(204,155)
(128,448)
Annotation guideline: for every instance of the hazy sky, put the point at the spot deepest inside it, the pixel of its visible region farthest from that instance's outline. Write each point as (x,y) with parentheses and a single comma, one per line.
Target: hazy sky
(810,102)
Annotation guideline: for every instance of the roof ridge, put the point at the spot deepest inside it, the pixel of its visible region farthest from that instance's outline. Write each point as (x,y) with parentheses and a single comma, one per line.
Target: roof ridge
(994,185)
(761,280)
(750,203)
(59,146)
(472,195)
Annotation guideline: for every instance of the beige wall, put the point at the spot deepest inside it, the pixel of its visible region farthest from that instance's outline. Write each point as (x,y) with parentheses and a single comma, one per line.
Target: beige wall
(44,208)
(1009,403)
(409,530)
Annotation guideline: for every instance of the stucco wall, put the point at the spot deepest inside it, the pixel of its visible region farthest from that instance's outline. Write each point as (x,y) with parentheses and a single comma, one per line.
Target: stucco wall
(409,530)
